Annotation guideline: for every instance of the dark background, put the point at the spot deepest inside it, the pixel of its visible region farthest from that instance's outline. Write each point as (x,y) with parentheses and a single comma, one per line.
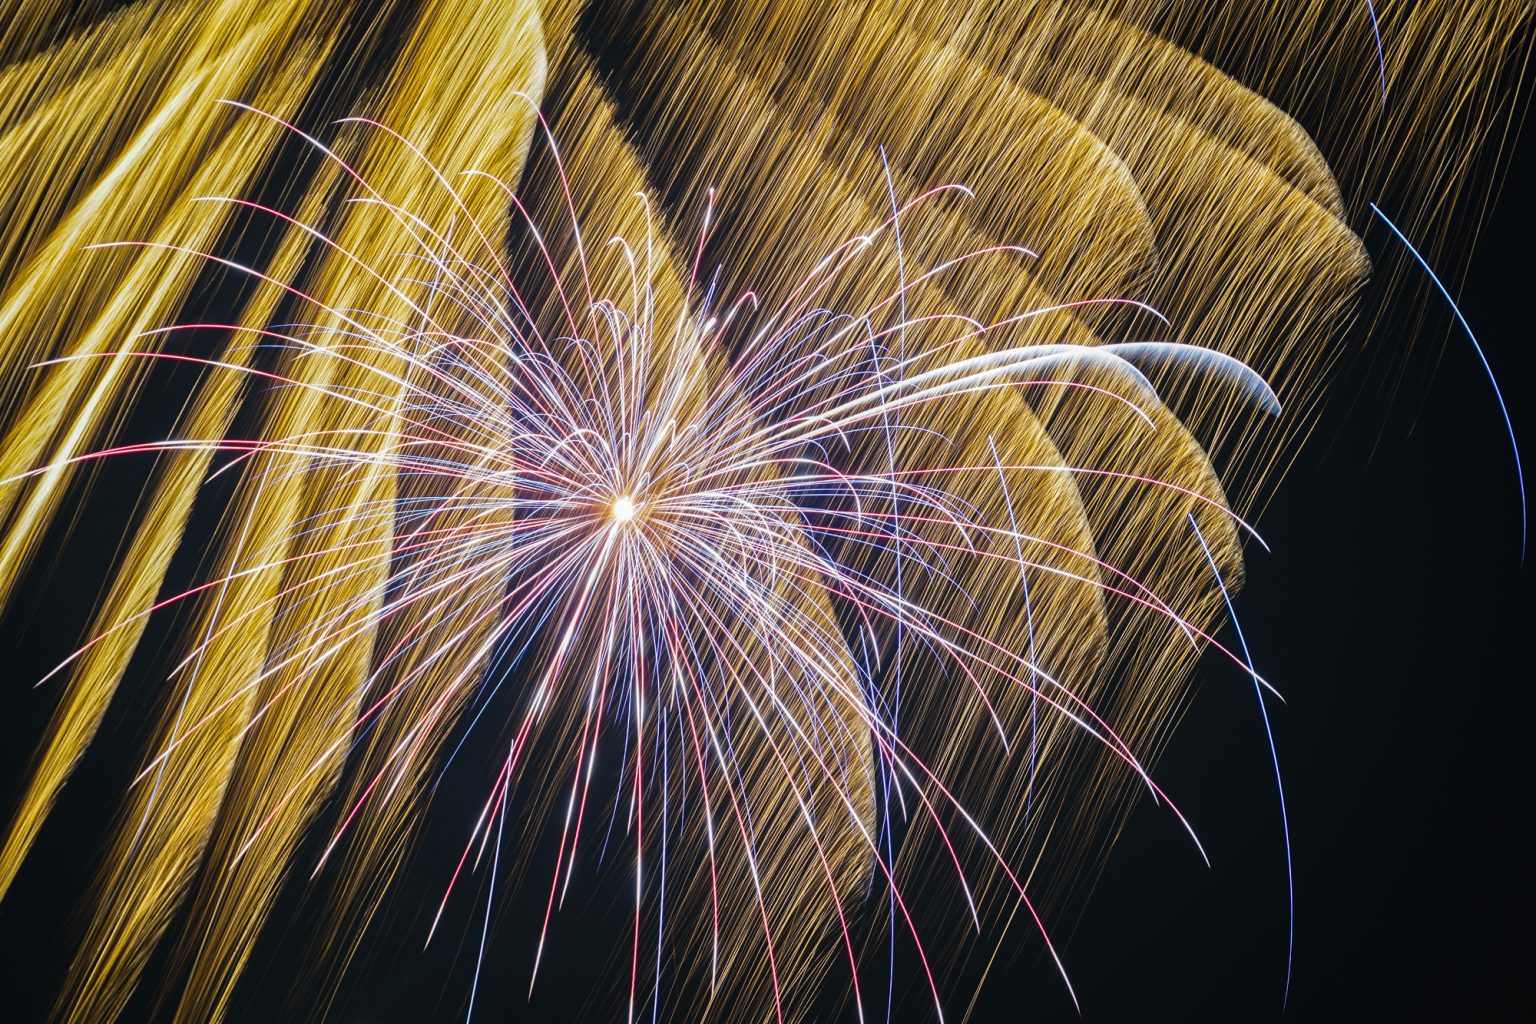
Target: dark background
(1393,612)
(1396,616)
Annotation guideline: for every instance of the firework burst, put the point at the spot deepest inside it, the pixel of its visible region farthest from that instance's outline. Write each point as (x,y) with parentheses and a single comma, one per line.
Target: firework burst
(820,566)
(662,535)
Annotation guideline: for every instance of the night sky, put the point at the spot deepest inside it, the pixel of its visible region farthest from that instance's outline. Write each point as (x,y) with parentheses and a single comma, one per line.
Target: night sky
(1393,612)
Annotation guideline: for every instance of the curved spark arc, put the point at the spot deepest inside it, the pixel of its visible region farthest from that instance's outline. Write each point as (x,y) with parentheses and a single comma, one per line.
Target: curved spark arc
(1381,53)
(1274,757)
(1493,381)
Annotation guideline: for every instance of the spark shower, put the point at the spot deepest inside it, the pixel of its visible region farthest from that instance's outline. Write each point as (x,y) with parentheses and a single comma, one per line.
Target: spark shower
(791,454)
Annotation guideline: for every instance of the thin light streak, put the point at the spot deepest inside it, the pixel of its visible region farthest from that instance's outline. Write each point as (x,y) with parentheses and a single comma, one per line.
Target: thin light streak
(1482,357)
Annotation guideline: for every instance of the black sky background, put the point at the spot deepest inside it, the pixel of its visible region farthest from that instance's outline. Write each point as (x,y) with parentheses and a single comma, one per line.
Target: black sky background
(1394,613)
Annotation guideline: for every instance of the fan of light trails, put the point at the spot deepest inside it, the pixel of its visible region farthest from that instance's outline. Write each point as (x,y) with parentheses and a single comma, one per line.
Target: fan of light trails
(658,534)
(820,558)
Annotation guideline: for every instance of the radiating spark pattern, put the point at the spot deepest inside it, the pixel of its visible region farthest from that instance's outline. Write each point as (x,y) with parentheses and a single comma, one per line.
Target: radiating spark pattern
(809,443)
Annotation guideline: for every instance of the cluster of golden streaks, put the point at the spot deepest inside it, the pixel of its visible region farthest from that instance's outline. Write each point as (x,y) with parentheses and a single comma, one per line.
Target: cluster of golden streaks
(164,827)
(1133,143)
(176,145)
(483,66)
(1248,259)
(1446,65)
(132,133)
(27,24)
(137,583)
(54,115)
(782,879)
(1410,127)
(1238,206)
(940,116)
(683,87)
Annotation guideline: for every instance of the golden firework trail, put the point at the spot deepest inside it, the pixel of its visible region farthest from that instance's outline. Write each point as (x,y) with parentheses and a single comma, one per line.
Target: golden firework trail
(815,440)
